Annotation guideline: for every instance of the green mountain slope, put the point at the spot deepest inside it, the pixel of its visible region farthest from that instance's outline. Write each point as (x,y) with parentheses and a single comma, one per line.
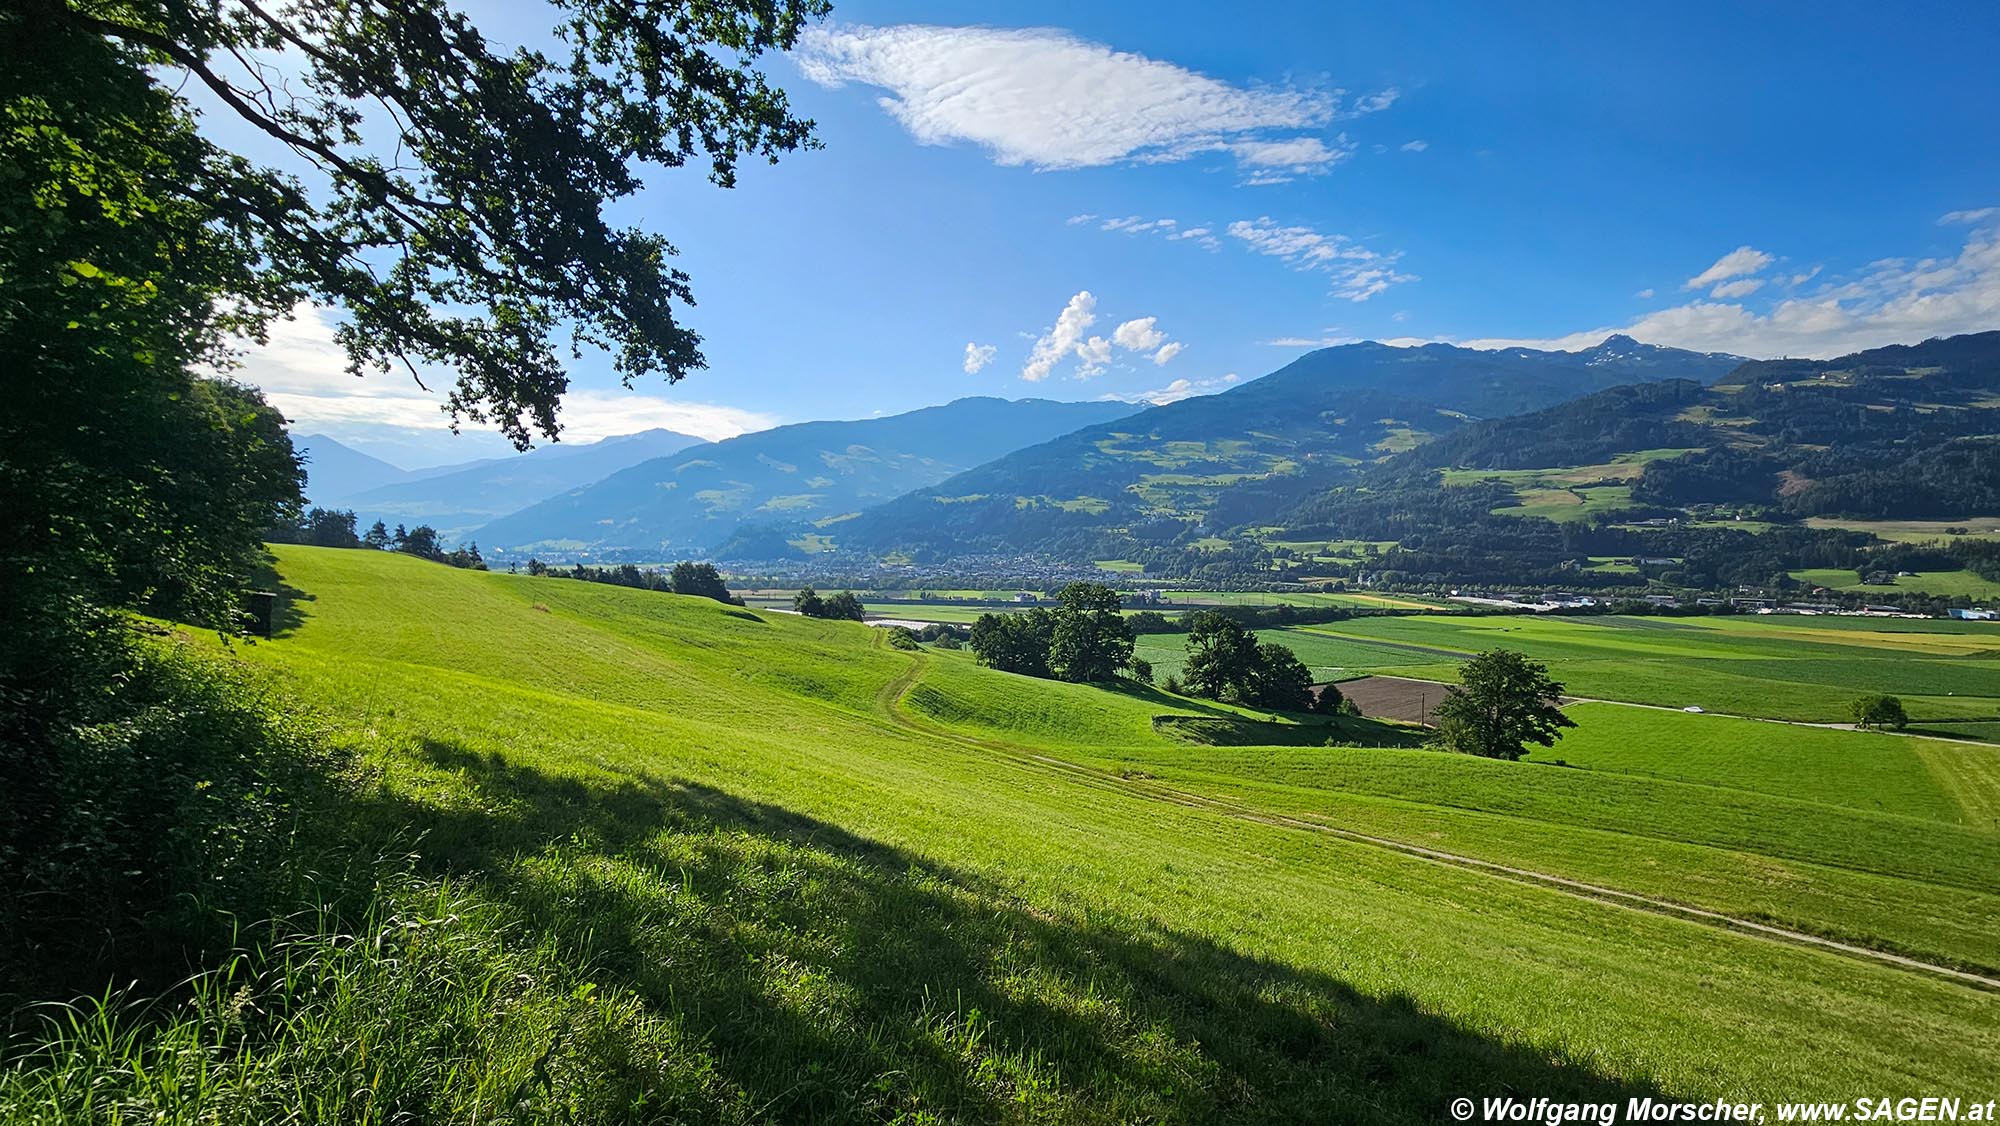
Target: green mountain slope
(1665,481)
(1903,432)
(672,850)
(1174,473)
(462,498)
(791,478)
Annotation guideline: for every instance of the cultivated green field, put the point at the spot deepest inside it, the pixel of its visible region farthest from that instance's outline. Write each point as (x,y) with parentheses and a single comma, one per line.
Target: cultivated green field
(784,872)
(1360,599)
(1770,666)
(1950,584)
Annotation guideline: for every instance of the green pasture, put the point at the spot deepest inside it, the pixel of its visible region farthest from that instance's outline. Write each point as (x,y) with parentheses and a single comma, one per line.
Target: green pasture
(1948,584)
(1769,666)
(763,867)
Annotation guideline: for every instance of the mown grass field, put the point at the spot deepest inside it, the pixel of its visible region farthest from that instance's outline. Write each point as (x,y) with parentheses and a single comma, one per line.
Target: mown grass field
(1949,584)
(1776,667)
(1360,599)
(759,867)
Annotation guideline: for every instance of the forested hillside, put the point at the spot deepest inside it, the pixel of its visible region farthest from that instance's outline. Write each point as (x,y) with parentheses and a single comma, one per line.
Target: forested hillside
(1179,472)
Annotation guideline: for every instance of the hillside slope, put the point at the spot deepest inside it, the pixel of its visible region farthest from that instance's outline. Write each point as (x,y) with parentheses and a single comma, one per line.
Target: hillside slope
(1903,432)
(1172,473)
(753,848)
(1668,480)
(791,478)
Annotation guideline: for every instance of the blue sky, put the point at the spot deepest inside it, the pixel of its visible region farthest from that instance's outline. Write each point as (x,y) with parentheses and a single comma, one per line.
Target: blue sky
(1152,200)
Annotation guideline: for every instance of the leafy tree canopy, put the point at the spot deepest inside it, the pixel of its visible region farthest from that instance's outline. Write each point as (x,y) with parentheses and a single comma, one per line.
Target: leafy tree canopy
(1091,641)
(456,194)
(1503,702)
(1880,712)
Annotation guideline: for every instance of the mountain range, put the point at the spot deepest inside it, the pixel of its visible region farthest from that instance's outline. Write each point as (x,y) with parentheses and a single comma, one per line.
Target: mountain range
(785,486)
(1206,464)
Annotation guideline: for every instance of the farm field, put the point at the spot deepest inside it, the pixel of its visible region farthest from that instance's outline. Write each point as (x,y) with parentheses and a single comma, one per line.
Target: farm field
(1768,666)
(766,839)
(1916,531)
(1950,584)
(1359,599)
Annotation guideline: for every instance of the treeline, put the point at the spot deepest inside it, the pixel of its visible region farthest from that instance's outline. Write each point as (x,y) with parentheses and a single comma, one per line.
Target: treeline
(1249,617)
(701,580)
(334,527)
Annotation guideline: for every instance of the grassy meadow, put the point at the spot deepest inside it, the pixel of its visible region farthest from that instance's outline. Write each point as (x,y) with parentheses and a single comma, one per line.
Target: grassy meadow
(649,857)
(1768,666)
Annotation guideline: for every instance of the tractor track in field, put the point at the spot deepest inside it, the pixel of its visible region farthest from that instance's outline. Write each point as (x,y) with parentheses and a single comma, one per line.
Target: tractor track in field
(890,700)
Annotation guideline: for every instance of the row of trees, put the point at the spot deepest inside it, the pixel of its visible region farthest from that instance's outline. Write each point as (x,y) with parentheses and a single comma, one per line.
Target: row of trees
(701,580)
(334,527)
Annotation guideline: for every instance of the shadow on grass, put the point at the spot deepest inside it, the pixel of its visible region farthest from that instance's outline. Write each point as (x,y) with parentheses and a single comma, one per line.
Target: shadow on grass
(831,978)
(289,612)
(1309,731)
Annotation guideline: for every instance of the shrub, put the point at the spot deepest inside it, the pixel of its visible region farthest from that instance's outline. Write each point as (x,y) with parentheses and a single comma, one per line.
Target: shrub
(144,816)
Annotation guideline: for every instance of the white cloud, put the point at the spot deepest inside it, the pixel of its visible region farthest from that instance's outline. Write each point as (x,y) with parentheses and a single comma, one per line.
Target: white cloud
(1069,337)
(1415,146)
(1735,264)
(1134,225)
(1644,293)
(1076,220)
(1202,235)
(1046,99)
(304,374)
(1141,335)
(1891,301)
(1741,287)
(1358,273)
(1374,103)
(1272,162)
(1093,356)
(1176,391)
(977,356)
(1063,338)
(1310,341)
(1976,215)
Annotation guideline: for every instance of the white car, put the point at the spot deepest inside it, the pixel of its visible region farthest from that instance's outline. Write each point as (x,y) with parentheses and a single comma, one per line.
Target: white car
(1695,708)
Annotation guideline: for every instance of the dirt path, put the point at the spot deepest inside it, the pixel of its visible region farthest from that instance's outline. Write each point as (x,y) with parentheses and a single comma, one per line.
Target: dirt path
(890,699)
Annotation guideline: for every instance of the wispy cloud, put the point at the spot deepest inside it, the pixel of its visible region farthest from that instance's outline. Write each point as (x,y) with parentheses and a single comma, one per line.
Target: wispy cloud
(1049,100)
(977,356)
(1358,273)
(1201,235)
(1328,341)
(1891,301)
(1415,146)
(1976,215)
(303,372)
(1741,287)
(1176,391)
(1735,264)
